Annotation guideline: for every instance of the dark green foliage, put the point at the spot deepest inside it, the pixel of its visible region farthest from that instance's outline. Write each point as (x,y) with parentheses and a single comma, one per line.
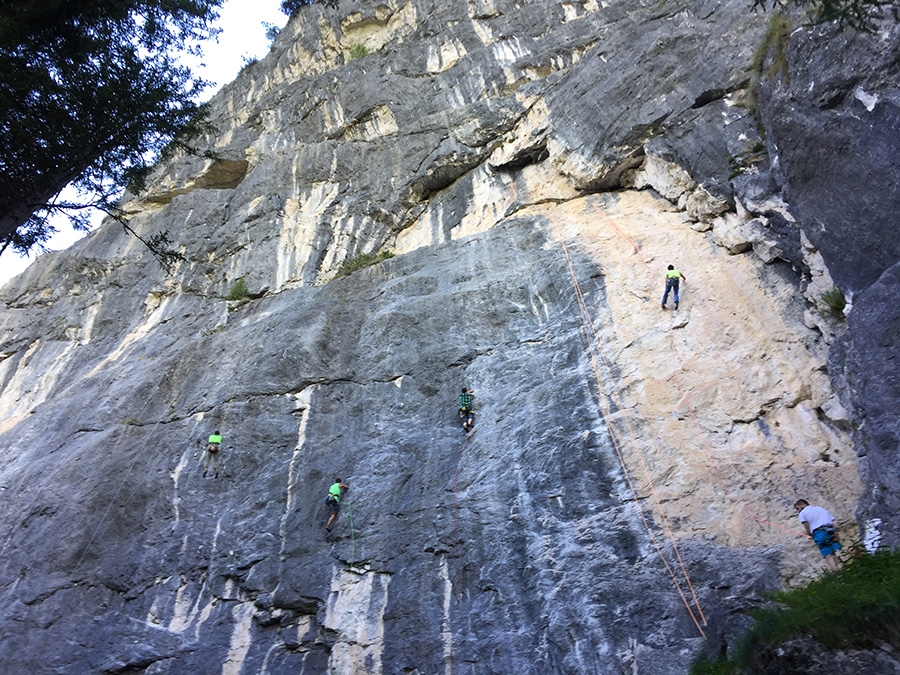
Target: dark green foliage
(248,62)
(291,6)
(361,261)
(863,15)
(754,153)
(703,666)
(856,608)
(238,291)
(90,93)
(835,302)
(271,31)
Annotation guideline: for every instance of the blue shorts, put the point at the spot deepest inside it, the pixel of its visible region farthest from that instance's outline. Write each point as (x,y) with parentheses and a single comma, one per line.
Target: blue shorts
(333,504)
(825,541)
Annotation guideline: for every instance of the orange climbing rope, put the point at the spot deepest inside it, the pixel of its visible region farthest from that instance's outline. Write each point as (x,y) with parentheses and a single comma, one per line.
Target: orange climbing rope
(593,340)
(703,435)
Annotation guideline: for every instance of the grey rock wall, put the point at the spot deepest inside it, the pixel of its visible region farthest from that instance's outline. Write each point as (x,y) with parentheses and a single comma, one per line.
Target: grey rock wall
(472,141)
(159,569)
(833,119)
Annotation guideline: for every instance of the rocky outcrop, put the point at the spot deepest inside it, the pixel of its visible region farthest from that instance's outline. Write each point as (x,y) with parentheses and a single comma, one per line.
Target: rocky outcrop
(832,117)
(809,657)
(532,168)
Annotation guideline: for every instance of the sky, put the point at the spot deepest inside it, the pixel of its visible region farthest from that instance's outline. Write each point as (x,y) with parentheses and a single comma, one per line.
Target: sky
(243,38)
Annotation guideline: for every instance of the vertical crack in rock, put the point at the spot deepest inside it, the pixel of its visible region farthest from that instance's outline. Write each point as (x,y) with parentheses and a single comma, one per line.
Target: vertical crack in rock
(240,638)
(302,403)
(355,614)
(446,626)
(176,475)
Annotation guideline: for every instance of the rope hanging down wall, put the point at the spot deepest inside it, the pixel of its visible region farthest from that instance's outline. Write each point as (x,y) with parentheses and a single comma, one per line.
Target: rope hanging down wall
(658,272)
(608,393)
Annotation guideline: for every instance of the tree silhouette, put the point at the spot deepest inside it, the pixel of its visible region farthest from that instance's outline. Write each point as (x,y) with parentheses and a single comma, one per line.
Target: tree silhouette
(90,93)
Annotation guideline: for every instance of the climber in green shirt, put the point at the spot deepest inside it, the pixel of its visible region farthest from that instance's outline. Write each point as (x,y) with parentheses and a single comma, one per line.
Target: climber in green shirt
(333,500)
(673,276)
(212,453)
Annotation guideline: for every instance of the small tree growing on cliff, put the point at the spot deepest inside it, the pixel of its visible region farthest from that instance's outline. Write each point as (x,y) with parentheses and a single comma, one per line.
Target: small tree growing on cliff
(90,93)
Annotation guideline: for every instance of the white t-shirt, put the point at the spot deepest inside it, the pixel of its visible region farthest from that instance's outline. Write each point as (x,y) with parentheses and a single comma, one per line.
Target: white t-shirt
(816,517)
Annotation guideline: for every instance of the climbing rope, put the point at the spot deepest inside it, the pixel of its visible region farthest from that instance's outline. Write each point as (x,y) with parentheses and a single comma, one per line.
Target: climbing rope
(704,434)
(593,341)
(457,538)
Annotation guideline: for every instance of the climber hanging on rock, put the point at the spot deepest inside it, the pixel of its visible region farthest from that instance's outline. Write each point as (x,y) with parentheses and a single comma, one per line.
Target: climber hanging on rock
(212,453)
(333,500)
(673,276)
(464,402)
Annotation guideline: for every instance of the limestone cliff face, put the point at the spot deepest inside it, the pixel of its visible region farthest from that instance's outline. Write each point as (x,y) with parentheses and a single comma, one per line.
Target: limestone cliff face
(533,167)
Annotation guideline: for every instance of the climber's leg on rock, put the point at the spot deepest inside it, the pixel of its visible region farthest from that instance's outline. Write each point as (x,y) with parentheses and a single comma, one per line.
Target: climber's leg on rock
(335,508)
(468,420)
(212,454)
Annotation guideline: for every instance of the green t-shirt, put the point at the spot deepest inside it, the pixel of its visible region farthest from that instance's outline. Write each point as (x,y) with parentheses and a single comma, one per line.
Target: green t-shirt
(673,274)
(335,491)
(215,439)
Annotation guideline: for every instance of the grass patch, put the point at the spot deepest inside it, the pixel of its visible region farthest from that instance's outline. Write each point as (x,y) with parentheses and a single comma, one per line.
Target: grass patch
(361,261)
(358,51)
(130,422)
(834,302)
(856,608)
(239,290)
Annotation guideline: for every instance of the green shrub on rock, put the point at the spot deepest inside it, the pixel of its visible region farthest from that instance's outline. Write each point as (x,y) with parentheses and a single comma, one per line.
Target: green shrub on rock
(238,291)
(835,302)
(361,261)
(855,608)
